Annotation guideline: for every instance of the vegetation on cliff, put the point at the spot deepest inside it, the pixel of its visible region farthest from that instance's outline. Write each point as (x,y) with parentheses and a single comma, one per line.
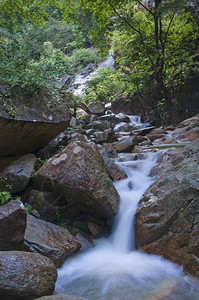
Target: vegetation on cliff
(154,44)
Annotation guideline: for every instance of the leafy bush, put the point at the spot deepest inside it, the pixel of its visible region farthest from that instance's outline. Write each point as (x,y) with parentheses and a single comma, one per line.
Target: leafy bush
(17,67)
(104,86)
(63,36)
(82,57)
(178,61)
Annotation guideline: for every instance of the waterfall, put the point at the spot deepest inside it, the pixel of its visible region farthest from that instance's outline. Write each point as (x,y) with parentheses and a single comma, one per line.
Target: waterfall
(113,269)
(78,86)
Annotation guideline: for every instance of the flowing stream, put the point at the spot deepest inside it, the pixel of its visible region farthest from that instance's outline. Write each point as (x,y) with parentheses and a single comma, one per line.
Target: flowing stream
(78,86)
(113,269)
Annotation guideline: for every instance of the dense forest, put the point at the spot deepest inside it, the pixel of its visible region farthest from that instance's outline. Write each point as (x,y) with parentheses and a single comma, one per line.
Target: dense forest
(155,46)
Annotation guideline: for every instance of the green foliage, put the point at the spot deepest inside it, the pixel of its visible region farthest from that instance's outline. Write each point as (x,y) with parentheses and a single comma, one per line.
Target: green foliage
(39,163)
(178,58)
(104,86)
(28,208)
(63,36)
(17,68)
(82,57)
(5,197)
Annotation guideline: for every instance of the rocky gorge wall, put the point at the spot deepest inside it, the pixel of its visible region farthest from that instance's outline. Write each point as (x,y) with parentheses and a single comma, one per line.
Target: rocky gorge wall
(73,198)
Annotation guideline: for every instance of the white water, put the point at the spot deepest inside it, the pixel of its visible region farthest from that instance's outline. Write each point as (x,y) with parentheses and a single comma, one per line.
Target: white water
(113,269)
(135,121)
(80,80)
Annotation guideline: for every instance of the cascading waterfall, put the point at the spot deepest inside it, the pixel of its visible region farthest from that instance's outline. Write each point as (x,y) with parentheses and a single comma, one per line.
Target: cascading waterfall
(113,269)
(78,86)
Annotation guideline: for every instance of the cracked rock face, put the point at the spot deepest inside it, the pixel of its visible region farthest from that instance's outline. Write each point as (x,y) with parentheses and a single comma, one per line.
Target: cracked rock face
(167,220)
(25,276)
(78,173)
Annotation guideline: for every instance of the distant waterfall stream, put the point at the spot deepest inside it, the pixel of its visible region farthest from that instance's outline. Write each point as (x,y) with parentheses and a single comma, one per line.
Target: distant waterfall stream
(113,269)
(78,86)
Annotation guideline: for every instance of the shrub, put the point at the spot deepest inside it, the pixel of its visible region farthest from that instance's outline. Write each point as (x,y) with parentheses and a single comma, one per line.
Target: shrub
(104,86)
(82,57)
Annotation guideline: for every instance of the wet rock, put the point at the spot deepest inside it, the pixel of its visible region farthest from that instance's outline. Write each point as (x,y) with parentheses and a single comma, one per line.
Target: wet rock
(124,127)
(97,108)
(44,203)
(99,125)
(58,142)
(189,121)
(143,131)
(85,243)
(34,122)
(88,118)
(103,136)
(25,275)
(156,133)
(190,135)
(95,229)
(125,144)
(16,177)
(77,137)
(59,297)
(73,122)
(115,119)
(50,240)
(13,225)
(167,218)
(113,170)
(88,69)
(108,151)
(78,172)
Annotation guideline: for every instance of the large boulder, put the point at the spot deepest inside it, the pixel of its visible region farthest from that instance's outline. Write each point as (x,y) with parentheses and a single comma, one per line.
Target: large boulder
(78,172)
(16,177)
(103,136)
(13,225)
(25,276)
(97,108)
(126,144)
(49,150)
(114,171)
(166,222)
(49,240)
(28,122)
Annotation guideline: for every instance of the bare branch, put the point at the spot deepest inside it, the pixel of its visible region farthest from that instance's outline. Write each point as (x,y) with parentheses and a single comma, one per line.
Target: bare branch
(168,28)
(145,7)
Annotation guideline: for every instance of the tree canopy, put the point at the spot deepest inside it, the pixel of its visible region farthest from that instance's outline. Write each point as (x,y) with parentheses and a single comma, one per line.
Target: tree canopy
(154,41)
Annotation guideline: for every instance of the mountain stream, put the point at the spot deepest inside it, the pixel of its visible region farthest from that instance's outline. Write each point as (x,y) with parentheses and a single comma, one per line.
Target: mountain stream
(113,269)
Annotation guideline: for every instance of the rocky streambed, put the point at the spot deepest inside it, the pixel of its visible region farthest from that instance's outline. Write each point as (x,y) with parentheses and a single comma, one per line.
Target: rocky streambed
(73,198)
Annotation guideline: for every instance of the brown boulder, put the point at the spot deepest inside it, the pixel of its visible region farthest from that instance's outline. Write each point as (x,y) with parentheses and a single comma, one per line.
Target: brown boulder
(166,222)
(78,172)
(125,144)
(114,171)
(97,108)
(12,224)
(35,121)
(50,240)
(25,276)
